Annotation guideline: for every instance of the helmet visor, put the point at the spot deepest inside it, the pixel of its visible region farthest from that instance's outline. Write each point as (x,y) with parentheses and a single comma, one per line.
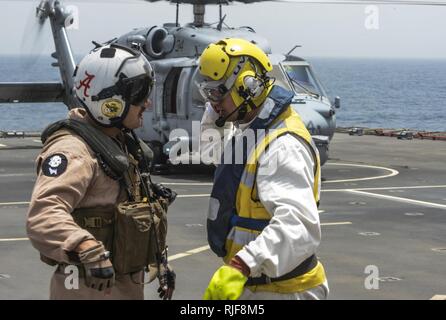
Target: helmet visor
(217,90)
(214,91)
(136,90)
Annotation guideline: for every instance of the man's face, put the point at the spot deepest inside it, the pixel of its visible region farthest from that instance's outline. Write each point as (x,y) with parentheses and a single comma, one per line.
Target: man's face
(134,118)
(225,107)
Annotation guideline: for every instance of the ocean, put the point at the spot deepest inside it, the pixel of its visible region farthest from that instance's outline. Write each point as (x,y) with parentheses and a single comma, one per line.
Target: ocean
(375,93)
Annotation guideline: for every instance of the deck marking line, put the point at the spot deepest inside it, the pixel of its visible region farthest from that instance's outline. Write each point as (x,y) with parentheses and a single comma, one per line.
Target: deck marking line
(438,297)
(400,199)
(187,183)
(335,223)
(391,174)
(193,195)
(383,188)
(12,203)
(189,253)
(13,239)
(204,248)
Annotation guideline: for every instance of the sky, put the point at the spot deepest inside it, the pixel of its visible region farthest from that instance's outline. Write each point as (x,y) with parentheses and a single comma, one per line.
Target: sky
(342,31)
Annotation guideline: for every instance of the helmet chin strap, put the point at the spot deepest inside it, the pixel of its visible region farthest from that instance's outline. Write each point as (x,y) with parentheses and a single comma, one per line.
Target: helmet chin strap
(247,102)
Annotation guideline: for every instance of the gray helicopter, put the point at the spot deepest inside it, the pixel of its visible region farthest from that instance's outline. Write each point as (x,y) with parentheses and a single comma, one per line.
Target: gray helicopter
(173,50)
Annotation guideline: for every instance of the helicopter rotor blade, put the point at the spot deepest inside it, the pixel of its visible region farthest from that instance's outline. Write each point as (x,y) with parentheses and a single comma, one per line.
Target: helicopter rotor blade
(343,2)
(353,2)
(33,40)
(80,1)
(369,2)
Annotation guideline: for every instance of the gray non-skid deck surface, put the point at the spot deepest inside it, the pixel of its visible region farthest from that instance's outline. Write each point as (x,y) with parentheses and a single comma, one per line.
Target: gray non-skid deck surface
(391,223)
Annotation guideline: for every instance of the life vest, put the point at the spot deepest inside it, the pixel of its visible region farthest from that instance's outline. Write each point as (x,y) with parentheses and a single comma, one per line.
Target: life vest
(236,216)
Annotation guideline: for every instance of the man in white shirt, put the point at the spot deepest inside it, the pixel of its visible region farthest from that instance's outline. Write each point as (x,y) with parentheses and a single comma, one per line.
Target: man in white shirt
(263,218)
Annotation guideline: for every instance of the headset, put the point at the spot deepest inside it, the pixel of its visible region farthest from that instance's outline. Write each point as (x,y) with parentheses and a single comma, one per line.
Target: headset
(249,85)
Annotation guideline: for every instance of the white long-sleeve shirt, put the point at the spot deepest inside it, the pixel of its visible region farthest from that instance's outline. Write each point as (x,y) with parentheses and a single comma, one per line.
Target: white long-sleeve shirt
(285,187)
(286,191)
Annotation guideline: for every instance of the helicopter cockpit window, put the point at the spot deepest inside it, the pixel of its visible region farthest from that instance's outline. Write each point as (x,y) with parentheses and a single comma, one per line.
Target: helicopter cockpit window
(302,79)
(279,78)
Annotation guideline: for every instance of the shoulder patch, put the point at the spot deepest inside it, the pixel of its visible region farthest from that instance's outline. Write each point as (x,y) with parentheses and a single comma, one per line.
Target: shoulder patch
(54,165)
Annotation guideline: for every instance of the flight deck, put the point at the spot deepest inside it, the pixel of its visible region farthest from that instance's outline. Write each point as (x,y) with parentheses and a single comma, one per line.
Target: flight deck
(383,215)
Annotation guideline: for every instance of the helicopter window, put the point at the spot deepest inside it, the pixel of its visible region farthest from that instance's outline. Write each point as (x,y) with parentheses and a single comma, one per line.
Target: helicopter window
(170,91)
(302,79)
(279,78)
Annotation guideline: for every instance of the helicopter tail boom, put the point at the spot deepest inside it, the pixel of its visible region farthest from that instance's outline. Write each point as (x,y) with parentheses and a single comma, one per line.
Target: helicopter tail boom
(27,92)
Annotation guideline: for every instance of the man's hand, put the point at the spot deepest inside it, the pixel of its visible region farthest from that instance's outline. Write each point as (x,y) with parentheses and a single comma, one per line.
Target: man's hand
(99,273)
(166,278)
(227,283)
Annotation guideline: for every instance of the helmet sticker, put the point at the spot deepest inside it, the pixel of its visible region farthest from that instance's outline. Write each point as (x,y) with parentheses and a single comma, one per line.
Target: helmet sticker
(85,83)
(54,165)
(112,108)
(109,80)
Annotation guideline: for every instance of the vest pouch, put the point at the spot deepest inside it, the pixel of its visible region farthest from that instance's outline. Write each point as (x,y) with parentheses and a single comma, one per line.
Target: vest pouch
(134,243)
(99,222)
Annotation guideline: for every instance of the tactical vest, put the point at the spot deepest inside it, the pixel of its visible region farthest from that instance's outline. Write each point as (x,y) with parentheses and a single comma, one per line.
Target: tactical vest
(237,216)
(134,229)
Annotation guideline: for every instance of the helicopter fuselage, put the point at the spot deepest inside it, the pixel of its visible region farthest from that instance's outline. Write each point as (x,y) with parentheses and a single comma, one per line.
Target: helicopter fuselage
(174,52)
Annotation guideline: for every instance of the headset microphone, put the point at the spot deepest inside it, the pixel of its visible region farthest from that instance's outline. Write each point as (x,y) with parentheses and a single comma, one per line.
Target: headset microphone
(220,122)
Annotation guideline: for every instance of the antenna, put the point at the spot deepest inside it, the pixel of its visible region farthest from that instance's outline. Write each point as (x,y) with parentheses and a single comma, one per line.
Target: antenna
(220,24)
(220,11)
(178,13)
(296,46)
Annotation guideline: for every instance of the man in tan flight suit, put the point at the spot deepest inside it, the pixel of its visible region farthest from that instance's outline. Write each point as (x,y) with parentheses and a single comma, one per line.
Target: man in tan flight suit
(113,84)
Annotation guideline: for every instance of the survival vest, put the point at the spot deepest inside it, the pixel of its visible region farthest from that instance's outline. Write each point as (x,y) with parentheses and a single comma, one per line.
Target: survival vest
(134,229)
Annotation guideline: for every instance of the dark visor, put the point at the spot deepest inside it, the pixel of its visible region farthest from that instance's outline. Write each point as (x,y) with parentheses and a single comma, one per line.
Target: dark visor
(134,90)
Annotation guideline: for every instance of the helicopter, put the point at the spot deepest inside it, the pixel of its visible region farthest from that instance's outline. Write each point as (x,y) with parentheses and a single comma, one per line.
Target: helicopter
(174,51)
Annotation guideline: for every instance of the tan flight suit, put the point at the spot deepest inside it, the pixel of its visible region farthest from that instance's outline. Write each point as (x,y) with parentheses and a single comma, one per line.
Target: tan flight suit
(51,227)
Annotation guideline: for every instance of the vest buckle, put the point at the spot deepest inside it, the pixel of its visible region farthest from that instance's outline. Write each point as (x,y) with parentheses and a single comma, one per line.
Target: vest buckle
(93,222)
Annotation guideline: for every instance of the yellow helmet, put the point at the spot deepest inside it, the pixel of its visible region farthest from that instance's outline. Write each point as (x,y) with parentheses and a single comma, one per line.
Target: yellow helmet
(238,67)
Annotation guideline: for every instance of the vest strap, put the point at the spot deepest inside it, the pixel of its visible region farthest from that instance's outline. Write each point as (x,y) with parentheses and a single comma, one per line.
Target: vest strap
(306,266)
(112,159)
(248,223)
(95,222)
